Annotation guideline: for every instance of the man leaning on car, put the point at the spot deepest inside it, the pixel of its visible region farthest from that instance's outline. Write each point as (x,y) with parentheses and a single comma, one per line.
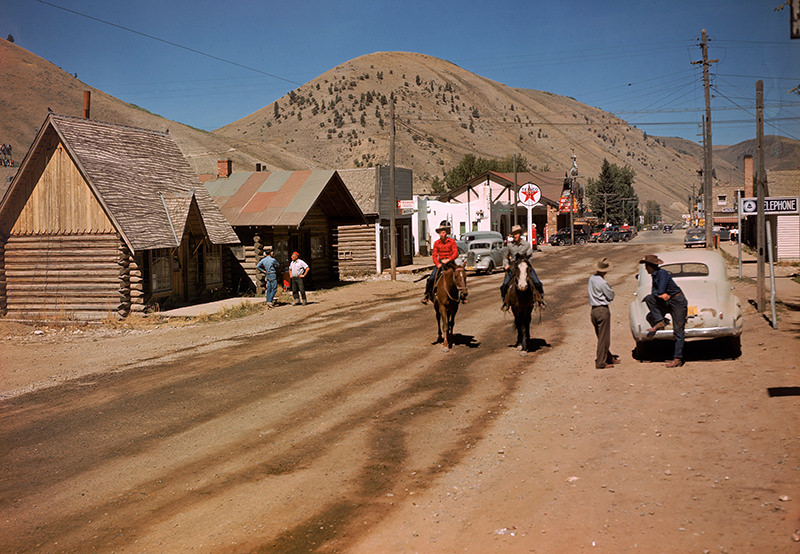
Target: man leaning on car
(666,297)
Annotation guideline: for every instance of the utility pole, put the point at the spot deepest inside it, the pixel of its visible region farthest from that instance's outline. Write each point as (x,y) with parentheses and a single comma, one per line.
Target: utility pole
(516,192)
(760,193)
(573,175)
(392,230)
(707,171)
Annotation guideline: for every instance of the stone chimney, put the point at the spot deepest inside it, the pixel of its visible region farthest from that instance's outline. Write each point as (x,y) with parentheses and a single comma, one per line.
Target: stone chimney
(748,176)
(223,168)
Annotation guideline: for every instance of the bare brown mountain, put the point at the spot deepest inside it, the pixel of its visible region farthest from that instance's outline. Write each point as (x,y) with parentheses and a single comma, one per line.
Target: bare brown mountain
(340,120)
(32,85)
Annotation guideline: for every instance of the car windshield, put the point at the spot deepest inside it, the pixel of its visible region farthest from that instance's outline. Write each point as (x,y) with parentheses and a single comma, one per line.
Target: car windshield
(695,233)
(478,245)
(687,269)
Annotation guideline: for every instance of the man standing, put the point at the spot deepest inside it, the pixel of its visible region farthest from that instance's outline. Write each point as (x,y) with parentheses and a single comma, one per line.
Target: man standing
(269,266)
(445,250)
(665,297)
(516,251)
(600,296)
(299,271)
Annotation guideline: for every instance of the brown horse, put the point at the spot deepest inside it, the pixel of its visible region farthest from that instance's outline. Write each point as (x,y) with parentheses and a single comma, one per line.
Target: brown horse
(449,291)
(522,296)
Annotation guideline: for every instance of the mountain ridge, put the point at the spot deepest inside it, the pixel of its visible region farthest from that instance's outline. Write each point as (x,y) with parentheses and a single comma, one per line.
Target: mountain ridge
(340,120)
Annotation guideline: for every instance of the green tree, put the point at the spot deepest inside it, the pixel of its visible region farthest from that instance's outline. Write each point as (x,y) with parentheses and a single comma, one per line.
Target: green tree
(652,212)
(612,195)
(471,166)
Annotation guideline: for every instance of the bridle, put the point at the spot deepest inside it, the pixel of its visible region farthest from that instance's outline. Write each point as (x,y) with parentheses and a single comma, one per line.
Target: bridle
(460,280)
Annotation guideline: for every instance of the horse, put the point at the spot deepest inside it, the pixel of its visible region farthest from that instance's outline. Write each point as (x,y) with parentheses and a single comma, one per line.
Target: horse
(522,296)
(449,291)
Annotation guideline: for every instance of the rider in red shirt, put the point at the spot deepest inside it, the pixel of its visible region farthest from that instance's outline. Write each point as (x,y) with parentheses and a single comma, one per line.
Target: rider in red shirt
(445,251)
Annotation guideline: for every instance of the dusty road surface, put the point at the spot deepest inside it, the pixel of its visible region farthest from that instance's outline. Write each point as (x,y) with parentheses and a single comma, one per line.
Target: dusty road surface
(339,427)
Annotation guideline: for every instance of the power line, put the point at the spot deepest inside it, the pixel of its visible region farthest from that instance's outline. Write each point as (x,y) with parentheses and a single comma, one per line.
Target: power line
(165,41)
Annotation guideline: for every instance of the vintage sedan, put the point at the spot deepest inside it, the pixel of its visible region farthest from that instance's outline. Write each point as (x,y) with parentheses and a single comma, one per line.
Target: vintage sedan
(713,310)
(485,255)
(695,236)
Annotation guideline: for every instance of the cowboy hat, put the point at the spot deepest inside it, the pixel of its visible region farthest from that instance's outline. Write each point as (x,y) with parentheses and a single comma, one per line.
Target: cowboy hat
(602,266)
(651,259)
(443,226)
(517,229)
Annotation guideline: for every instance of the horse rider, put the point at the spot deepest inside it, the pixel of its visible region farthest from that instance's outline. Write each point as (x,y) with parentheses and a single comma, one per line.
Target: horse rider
(516,251)
(445,251)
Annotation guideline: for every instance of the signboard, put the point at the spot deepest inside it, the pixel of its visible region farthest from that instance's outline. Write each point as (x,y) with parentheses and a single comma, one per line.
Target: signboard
(794,19)
(405,207)
(563,205)
(773,205)
(529,194)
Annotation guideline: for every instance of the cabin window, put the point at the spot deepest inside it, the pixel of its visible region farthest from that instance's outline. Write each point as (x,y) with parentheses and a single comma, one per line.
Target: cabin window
(213,264)
(406,240)
(317,247)
(386,251)
(160,270)
(722,199)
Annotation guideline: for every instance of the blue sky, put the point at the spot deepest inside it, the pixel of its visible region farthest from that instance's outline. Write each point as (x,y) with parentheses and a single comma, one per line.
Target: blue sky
(629,57)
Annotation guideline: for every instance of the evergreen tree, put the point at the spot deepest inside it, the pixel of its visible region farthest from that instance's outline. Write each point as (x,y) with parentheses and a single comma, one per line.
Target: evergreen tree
(612,195)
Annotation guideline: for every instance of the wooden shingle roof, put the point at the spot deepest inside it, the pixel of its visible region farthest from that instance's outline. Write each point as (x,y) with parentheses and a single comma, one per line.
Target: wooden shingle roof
(134,171)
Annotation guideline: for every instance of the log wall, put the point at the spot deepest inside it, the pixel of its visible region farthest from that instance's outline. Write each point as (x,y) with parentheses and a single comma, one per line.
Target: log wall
(355,245)
(2,276)
(63,276)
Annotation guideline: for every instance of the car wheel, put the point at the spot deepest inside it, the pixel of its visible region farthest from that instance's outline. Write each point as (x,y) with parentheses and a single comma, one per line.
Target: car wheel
(642,350)
(581,241)
(490,269)
(735,346)
(559,242)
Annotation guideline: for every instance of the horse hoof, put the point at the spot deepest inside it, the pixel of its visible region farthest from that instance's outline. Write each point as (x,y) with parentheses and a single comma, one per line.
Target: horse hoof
(445,349)
(523,353)
(519,347)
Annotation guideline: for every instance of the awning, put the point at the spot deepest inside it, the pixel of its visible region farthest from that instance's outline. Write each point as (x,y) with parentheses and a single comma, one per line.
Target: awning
(726,219)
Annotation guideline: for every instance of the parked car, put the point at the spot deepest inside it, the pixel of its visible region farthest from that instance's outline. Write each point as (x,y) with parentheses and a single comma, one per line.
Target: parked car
(485,256)
(615,233)
(562,237)
(593,237)
(695,236)
(481,235)
(722,232)
(713,311)
(463,248)
(667,229)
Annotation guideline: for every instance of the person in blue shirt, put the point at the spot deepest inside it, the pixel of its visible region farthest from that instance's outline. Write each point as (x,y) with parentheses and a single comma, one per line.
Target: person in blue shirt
(665,297)
(269,266)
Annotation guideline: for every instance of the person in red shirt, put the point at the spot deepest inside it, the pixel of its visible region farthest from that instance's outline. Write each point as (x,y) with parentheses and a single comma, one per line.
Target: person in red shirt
(445,251)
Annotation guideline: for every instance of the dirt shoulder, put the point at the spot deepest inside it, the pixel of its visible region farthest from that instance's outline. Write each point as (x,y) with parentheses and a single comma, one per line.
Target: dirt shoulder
(36,356)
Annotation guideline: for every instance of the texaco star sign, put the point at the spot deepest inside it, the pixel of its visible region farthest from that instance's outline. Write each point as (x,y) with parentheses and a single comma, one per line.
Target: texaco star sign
(529,194)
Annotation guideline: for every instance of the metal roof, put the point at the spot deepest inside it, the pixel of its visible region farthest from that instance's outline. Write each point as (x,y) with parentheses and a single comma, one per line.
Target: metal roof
(283,198)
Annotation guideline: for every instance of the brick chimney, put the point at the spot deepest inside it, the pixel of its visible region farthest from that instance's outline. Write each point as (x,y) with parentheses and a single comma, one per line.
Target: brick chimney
(223,168)
(748,176)
(87,102)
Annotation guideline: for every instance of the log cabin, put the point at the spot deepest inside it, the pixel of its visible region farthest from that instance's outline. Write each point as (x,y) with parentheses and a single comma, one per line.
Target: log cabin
(288,211)
(106,219)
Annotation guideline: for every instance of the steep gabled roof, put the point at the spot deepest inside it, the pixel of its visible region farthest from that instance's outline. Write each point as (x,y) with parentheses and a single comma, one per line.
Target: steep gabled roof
(283,198)
(132,172)
(549,182)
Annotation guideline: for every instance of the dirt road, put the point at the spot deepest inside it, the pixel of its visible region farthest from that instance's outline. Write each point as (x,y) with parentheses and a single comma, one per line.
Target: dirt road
(338,427)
